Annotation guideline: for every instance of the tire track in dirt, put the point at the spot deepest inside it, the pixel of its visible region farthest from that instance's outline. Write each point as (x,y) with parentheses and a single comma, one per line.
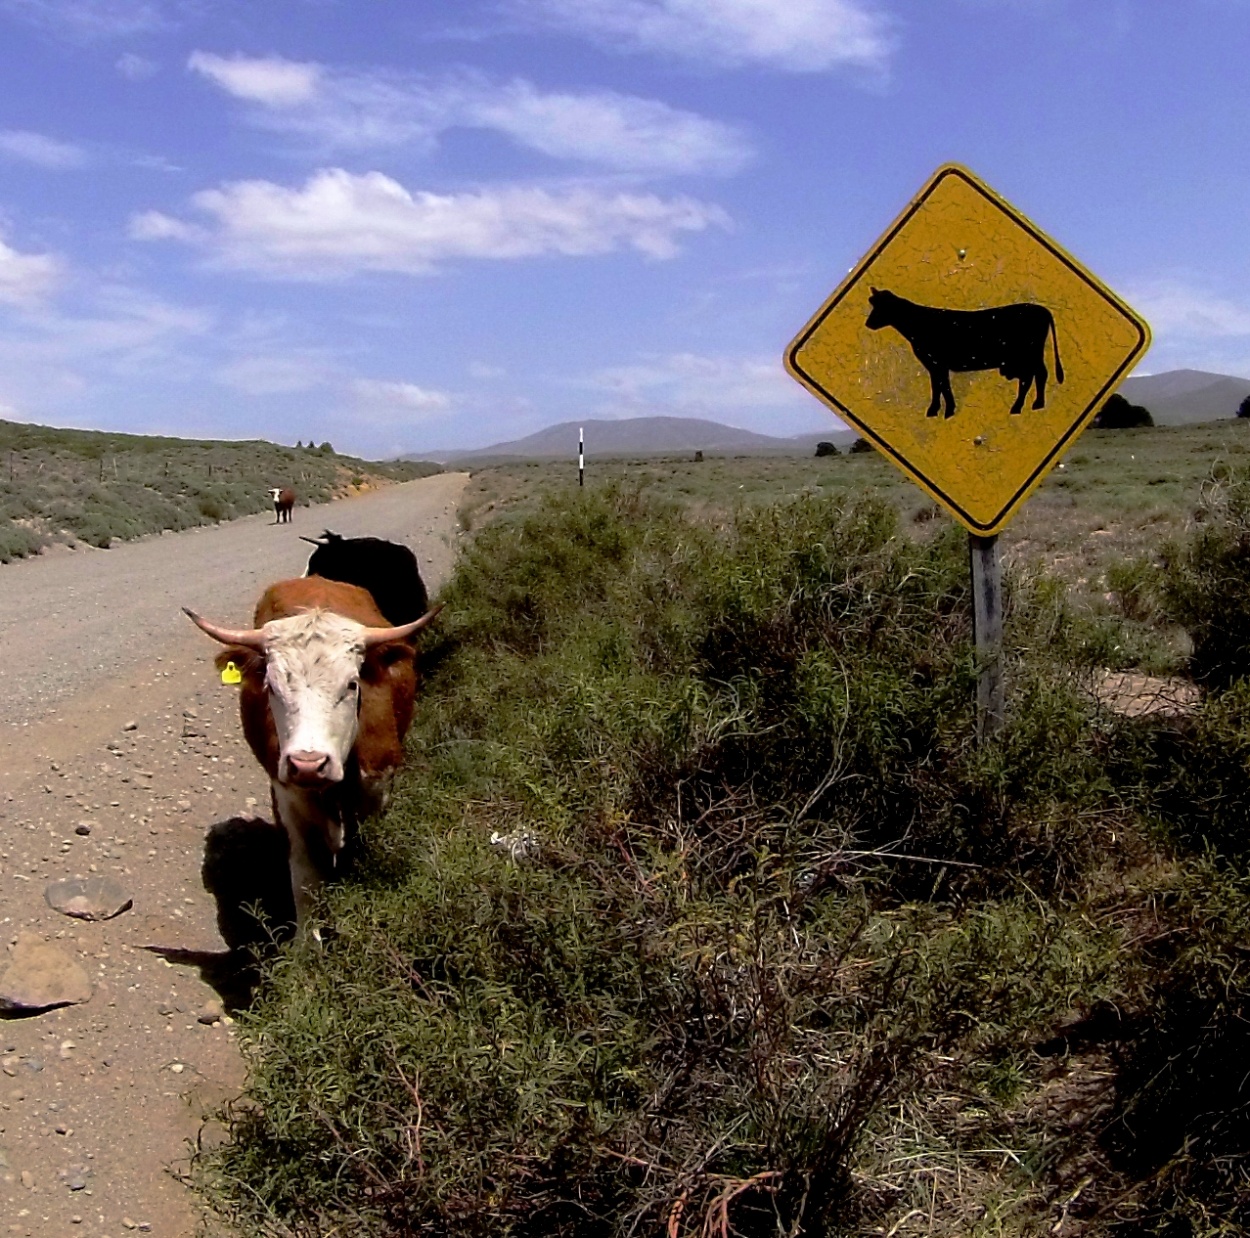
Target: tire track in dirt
(115,723)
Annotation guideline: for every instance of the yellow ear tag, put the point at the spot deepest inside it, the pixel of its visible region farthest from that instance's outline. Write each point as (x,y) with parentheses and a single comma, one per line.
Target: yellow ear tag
(231,674)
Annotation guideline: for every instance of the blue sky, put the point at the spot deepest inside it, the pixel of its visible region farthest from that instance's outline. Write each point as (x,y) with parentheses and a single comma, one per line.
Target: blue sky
(407,226)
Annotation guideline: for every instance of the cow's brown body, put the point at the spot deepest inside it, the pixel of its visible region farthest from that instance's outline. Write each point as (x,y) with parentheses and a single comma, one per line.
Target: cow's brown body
(388,677)
(283,504)
(316,817)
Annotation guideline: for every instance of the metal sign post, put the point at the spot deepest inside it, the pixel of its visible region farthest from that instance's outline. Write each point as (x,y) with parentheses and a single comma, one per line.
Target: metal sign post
(987,630)
(971,351)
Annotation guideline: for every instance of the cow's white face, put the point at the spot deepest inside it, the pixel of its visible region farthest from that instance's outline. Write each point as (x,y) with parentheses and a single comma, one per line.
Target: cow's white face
(313,676)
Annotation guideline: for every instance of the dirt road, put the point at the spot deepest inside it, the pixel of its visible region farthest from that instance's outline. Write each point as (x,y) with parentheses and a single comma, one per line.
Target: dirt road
(119,755)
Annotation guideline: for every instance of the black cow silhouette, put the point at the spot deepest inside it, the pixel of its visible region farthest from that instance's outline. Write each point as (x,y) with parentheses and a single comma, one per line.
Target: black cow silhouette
(1008,338)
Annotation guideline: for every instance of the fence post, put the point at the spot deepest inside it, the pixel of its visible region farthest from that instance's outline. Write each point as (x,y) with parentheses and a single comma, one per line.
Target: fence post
(581,458)
(987,628)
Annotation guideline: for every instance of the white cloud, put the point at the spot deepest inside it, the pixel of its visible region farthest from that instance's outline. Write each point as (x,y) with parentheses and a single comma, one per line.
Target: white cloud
(692,384)
(136,68)
(26,279)
(132,328)
(274,375)
(1178,309)
(334,110)
(797,36)
(402,398)
(49,356)
(270,80)
(89,20)
(610,129)
(341,223)
(155,226)
(39,149)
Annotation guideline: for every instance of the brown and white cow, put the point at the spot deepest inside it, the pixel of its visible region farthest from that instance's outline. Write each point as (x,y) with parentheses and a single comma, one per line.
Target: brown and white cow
(283,502)
(326,699)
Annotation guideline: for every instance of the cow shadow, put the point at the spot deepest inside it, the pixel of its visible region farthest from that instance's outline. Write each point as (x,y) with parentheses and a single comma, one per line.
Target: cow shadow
(246,869)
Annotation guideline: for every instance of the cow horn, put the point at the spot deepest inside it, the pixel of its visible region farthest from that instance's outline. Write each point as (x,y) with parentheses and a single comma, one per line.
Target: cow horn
(249,638)
(380,636)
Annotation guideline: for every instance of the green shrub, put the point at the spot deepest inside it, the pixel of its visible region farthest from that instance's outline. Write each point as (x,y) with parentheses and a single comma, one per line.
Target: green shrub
(1180,1125)
(1206,582)
(697,876)
(1138,588)
(17,541)
(1120,414)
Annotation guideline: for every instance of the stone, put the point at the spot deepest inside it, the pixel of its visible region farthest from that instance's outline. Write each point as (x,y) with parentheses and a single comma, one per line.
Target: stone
(77,1177)
(88,898)
(83,828)
(211,1012)
(41,975)
(131,726)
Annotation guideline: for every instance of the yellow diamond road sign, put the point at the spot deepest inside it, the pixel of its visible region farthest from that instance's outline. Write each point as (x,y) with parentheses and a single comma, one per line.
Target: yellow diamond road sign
(969,348)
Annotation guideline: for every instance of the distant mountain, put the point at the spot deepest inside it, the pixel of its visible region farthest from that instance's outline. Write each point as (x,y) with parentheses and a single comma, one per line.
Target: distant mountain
(1175,398)
(646,436)
(1183,397)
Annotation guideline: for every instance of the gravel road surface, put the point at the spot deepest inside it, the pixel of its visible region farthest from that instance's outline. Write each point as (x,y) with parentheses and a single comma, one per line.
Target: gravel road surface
(120,758)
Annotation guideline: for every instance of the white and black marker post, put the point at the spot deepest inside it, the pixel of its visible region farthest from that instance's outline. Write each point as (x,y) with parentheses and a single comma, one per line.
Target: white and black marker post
(581,458)
(987,630)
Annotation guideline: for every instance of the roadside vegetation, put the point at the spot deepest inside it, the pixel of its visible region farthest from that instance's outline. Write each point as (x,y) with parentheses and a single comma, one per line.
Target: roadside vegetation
(1120,493)
(85,486)
(700,911)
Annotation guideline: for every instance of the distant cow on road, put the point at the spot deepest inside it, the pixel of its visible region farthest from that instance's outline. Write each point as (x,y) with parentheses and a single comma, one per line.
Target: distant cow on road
(1008,338)
(283,501)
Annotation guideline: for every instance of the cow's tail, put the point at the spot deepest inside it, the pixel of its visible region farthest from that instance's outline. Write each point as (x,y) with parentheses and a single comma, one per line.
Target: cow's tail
(1054,342)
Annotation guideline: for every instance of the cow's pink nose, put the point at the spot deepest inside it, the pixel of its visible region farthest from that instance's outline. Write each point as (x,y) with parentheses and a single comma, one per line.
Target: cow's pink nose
(309,766)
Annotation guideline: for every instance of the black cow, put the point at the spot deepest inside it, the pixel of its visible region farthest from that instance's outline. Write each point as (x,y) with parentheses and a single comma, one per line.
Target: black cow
(386,569)
(1008,338)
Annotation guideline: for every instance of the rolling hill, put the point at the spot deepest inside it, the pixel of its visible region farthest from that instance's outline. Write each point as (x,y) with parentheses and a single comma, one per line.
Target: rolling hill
(1174,398)
(1184,397)
(642,436)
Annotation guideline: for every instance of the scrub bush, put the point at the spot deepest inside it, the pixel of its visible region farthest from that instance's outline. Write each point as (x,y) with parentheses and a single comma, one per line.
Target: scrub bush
(696,885)
(97,487)
(1206,581)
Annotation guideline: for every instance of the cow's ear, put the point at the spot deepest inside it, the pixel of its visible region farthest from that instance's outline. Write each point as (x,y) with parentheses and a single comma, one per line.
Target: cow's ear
(246,660)
(381,657)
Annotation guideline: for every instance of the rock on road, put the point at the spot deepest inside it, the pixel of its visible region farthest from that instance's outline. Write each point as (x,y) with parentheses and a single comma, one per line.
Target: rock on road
(119,753)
